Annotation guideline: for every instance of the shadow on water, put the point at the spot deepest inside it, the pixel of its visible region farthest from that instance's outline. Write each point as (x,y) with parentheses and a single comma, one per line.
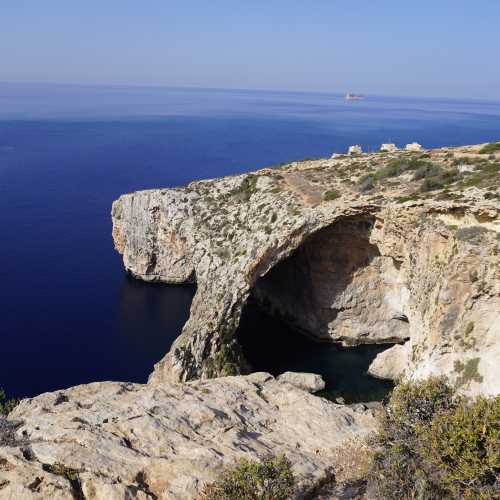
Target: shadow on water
(271,346)
(150,317)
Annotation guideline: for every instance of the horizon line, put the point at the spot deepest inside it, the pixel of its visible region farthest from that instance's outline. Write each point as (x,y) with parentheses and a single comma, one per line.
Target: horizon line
(241,89)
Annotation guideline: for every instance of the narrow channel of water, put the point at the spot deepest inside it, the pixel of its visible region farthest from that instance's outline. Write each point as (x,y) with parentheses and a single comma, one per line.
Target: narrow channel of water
(272,346)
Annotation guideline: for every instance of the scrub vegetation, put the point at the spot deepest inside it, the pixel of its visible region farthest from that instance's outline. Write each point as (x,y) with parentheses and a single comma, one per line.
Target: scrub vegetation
(492,147)
(271,479)
(434,444)
(6,405)
(431,444)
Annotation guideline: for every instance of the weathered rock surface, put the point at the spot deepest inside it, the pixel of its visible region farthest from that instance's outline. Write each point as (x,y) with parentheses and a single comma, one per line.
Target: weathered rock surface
(309,382)
(107,441)
(392,363)
(316,245)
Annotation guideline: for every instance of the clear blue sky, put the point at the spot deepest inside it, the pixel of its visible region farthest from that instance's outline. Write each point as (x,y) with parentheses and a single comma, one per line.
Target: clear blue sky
(435,48)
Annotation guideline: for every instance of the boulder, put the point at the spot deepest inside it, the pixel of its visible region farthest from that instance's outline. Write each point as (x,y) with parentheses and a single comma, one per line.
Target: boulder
(309,382)
(391,363)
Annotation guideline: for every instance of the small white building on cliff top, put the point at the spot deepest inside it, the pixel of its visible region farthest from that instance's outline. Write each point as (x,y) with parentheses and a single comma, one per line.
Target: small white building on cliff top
(389,148)
(354,150)
(414,146)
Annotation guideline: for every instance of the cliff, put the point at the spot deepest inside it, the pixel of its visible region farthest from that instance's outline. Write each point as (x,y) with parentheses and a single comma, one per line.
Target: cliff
(379,247)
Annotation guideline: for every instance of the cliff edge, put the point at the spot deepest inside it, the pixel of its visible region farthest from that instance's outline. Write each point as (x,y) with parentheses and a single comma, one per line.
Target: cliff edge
(373,248)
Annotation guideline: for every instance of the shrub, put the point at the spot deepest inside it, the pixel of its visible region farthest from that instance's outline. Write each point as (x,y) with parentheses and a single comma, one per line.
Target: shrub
(492,147)
(246,189)
(468,371)
(393,169)
(432,183)
(433,444)
(471,233)
(435,178)
(331,195)
(366,183)
(427,170)
(6,405)
(464,447)
(270,480)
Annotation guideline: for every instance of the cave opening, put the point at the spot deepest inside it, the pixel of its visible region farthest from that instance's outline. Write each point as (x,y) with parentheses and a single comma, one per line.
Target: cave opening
(328,308)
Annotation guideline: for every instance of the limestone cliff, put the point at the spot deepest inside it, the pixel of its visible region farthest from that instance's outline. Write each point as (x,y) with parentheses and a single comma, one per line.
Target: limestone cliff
(378,247)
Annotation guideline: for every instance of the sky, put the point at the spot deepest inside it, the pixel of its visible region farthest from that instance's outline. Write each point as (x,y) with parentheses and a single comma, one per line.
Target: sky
(447,48)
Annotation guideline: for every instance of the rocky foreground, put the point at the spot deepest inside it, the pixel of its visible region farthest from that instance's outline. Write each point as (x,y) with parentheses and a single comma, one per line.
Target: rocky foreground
(381,247)
(107,441)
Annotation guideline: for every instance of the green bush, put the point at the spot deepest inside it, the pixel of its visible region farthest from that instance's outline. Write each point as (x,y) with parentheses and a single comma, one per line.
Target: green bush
(435,178)
(433,444)
(331,195)
(6,405)
(492,147)
(431,184)
(393,169)
(271,479)
(464,446)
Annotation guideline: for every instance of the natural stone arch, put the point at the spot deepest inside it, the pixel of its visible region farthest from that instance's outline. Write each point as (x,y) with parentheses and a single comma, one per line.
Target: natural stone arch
(336,286)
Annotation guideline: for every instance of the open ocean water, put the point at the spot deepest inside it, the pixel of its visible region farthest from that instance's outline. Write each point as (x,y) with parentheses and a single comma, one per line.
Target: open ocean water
(68,312)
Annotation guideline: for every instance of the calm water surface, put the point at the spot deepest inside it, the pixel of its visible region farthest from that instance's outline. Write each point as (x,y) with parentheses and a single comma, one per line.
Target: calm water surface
(68,313)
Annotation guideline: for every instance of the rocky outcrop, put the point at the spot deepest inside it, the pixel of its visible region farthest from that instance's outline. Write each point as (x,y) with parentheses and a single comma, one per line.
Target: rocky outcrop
(376,248)
(392,363)
(309,382)
(107,441)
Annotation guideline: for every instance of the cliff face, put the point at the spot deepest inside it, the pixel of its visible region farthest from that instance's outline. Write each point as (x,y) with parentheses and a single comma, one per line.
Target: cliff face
(375,248)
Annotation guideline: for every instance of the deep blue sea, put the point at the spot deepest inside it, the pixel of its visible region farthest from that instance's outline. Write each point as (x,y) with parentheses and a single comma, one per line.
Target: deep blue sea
(68,312)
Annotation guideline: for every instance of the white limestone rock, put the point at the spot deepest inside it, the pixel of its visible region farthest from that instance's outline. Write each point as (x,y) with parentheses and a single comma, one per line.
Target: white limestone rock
(109,440)
(338,264)
(310,382)
(391,363)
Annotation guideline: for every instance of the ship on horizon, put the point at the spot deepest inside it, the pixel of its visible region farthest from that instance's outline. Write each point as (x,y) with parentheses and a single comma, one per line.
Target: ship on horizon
(354,97)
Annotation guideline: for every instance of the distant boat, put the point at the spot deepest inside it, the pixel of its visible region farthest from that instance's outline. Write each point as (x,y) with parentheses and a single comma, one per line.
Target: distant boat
(354,97)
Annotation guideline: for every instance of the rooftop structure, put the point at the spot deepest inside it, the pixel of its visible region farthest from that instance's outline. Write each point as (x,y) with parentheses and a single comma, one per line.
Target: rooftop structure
(414,146)
(390,148)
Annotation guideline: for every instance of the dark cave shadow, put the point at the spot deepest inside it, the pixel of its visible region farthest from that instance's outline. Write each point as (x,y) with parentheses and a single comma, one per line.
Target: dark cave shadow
(272,346)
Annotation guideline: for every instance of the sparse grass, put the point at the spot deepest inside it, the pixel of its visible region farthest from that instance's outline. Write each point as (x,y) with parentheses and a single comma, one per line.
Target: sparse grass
(486,175)
(492,147)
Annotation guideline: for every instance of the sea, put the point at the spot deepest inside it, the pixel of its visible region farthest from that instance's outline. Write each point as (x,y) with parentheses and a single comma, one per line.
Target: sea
(69,314)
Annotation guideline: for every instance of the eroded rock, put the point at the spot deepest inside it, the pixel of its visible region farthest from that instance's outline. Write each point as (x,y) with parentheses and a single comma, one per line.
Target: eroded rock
(113,440)
(338,263)
(392,363)
(309,382)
